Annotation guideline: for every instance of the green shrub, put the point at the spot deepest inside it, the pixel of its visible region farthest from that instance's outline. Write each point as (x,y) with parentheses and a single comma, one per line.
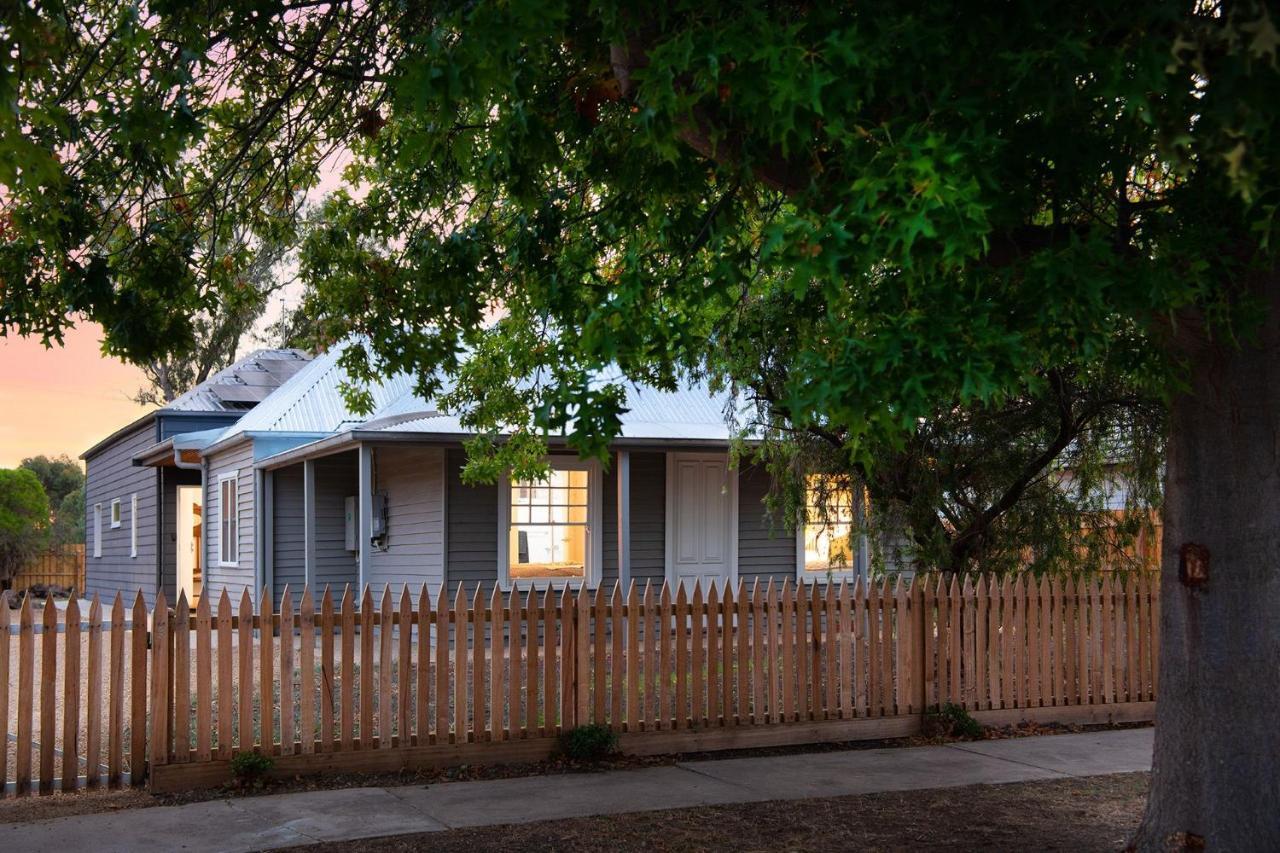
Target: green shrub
(960,723)
(592,742)
(250,768)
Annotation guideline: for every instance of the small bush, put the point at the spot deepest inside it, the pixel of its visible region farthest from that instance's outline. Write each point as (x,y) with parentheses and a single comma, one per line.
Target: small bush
(959,722)
(592,742)
(250,768)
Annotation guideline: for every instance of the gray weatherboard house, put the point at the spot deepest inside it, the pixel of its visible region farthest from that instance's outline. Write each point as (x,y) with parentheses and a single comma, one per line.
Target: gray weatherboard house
(282,485)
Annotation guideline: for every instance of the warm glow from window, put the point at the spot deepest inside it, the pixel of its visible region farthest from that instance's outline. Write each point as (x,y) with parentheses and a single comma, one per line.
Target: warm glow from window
(548,534)
(828,529)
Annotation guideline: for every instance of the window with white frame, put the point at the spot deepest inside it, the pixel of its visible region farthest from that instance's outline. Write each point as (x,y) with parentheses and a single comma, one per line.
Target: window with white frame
(115,513)
(551,525)
(97,530)
(826,545)
(133,525)
(228,521)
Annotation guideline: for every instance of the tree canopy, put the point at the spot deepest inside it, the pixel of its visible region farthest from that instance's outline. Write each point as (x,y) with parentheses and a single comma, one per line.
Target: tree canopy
(62,479)
(859,216)
(24,520)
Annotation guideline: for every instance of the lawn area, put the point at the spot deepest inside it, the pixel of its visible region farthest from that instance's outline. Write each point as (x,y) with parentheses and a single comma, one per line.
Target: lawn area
(1095,813)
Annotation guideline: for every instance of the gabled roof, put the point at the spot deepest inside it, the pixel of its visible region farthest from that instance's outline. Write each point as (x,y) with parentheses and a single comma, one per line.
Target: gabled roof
(312,401)
(230,391)
(243,385)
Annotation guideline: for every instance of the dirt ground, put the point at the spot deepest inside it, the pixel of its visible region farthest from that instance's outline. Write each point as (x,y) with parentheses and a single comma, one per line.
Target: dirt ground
(1097,813)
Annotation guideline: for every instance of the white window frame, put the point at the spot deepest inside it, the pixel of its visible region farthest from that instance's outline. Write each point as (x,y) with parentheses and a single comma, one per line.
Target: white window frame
(855,568)
(115,513)
(595,536)
(133,525)
(223,480)
(97,530)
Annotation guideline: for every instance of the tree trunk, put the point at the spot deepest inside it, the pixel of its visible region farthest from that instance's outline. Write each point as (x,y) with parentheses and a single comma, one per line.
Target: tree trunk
(1216,776)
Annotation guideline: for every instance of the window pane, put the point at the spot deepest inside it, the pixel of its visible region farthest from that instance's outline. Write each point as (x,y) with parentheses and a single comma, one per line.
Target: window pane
(547,551)
(828,532)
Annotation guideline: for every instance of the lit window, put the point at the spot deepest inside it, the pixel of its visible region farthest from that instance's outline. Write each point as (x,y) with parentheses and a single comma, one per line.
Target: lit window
(228,521)
(115,513)
(827,544)
(549,525)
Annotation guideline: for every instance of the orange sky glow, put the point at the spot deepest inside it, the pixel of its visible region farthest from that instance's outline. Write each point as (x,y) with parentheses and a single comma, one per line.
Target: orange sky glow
(64,399)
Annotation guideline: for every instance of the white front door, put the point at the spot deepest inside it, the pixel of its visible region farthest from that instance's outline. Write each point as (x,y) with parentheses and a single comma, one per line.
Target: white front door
(702,519)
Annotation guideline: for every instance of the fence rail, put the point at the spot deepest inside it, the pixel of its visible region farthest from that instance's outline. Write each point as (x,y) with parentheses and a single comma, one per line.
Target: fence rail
(64,568)
(420,680)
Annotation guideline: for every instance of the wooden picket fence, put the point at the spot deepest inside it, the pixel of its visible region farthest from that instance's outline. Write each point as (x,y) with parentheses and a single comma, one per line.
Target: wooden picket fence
(419,680)
(63,567)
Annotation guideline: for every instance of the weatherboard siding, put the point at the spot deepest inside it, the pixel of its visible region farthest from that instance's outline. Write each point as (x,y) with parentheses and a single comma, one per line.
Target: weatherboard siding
(288,529)
(337,477)
(236,460)
(111,475)
(765,550)
(412,478)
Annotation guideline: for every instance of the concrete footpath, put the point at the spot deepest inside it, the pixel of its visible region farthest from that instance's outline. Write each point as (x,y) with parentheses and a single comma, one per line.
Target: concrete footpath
(257,823)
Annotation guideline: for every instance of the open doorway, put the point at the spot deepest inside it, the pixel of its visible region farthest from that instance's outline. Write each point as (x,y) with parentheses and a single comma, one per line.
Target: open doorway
(190,542)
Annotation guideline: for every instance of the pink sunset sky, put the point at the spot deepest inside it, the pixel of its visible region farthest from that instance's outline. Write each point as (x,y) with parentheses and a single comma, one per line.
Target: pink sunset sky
(64,399)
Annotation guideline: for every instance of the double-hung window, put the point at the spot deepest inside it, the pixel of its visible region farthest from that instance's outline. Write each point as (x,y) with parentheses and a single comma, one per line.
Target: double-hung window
(551,526)
(115,513)
(828,543)
(228,521)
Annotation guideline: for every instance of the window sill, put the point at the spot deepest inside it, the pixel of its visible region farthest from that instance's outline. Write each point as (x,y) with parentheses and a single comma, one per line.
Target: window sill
(116,525)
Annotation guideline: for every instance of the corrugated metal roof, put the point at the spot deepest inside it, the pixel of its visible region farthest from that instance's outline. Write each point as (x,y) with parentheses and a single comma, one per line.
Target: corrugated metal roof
(693,412)
(240,386)
(312,401)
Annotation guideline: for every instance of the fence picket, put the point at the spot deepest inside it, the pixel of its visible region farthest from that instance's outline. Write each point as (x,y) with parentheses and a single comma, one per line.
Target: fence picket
(441,617)
(266,674)
(704,660)
(631,657)
(529,723)
(786,613)
(307,671)
(476,616)
(496,672)
(244,673)
(727,699)
(550,647)
(648,682)
(665,664)
(459,618)
(347,702)
(327,669)
(616,661)
(1032,622)
(93,695)
(365,738)
(287,691)
(422,671)
(160,648)
(772,698)
(981,666)
(582,655)
(682,619)
(26,688)
(598,666)
(115,702)
(758,676)
(204,680)
(404,670)
(70,696)
(182,679)
(386,668)
(515,668)
(138,711)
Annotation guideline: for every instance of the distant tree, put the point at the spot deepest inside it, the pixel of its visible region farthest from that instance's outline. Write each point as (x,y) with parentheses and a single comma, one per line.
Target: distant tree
(63,482)
(24,521)
(59,475)
(218,334)
(68,521)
